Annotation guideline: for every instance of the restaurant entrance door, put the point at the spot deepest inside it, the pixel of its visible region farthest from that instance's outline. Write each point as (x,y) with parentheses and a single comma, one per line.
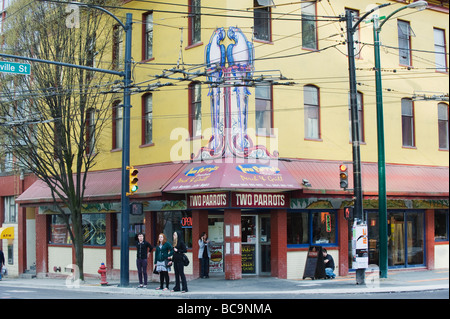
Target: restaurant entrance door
(255,244)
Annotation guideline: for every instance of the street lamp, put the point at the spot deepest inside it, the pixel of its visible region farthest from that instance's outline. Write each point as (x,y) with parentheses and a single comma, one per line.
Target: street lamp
(382,206)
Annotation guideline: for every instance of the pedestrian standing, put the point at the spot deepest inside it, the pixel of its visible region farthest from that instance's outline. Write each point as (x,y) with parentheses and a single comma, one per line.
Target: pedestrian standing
(179,248)
(164,250)
(2,263)
(204,254)
(143,252)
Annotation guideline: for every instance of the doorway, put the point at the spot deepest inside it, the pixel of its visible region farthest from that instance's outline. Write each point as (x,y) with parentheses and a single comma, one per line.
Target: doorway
(256,248)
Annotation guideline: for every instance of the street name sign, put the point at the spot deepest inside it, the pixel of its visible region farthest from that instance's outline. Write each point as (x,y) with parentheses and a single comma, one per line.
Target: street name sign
(15,68)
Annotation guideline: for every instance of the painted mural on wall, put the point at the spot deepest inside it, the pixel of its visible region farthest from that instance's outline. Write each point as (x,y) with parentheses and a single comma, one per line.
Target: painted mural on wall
(229,71)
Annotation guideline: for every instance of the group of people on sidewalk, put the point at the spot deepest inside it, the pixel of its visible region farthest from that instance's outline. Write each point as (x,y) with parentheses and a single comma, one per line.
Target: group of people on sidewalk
(167,256)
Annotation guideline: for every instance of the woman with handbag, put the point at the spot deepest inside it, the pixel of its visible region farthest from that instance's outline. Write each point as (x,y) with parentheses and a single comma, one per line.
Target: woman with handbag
(179,249)
(164,250)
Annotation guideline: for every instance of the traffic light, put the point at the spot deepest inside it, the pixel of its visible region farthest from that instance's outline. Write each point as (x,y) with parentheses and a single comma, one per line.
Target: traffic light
(343,175)
(348,212)
(133,174)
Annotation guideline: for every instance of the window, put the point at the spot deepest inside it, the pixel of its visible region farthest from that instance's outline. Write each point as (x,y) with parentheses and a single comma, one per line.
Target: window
(117,125)
(147,31)
(408,123)
(312,116)
(195,110)
(441,225)
(356,34)
(263,110)
(10,210)
(93,225)
(440,50)
(309,25)
(312,227)
(262,20)
(90,131)
(169,222)
(195,26)
(118,48)
(359,100)
(404,42)
(147,119)
(443,125)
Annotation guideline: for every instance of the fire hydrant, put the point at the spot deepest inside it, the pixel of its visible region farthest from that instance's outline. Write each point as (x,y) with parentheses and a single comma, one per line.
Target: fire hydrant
(102,272)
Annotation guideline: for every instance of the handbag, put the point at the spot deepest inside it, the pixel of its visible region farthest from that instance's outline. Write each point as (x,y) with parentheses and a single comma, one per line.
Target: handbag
(155,271)
(185,260)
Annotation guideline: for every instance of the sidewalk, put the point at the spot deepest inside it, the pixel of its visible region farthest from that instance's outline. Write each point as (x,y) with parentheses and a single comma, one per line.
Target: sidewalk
(216,285)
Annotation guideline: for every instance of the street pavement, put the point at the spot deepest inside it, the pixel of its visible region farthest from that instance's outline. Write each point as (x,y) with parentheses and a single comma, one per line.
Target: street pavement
(217,287)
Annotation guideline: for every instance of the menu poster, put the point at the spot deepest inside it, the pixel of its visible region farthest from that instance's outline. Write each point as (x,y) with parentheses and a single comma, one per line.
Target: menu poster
(248,259)
(216,260)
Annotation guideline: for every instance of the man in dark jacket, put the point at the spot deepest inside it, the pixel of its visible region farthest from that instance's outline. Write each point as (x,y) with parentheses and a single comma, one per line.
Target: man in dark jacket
(2,262)
(329,264)
(142,247)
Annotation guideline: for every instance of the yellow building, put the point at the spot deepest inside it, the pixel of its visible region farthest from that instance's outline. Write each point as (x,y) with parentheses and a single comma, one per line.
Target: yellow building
(290,102)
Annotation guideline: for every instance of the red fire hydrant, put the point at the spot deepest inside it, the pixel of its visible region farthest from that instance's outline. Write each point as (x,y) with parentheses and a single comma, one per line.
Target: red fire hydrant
(102,272)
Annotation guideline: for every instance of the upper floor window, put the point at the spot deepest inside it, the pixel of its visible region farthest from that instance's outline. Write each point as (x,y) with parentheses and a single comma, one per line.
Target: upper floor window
(262,20)
(408,123)
(404,42)
(117,125)
(10,210)
(309,25)
(263,109)
(359,100)
(312,112)
(90,131)
(147,119)
(195,20)
(147,31)
(195,109)
(443,125)
(440,50)
(118,48)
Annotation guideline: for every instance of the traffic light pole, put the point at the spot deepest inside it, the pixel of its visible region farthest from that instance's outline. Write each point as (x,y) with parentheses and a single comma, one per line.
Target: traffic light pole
(357,188)
(124,246)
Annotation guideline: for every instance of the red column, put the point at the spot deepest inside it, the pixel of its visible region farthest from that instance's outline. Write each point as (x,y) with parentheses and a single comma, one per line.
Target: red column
(199,225)
(42,238)
(278,255)
(429,238)
(22,240)
(343,243)
(232,247)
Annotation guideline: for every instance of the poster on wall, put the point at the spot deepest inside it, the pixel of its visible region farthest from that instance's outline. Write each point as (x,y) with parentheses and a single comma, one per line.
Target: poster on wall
(248,259)
(216,261)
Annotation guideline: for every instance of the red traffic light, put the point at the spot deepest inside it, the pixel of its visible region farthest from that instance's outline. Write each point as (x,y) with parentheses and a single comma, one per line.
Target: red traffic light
(343,167)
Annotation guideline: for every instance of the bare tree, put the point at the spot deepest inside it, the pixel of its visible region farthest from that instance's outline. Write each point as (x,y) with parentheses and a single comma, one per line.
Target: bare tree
(50,121)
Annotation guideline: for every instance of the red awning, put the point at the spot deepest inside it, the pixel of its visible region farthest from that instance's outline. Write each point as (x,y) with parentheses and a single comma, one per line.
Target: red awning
(407,180)
(237,175)
(106,185)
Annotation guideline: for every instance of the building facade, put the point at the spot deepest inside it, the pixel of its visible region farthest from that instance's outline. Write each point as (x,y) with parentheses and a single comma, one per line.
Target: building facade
(239,122)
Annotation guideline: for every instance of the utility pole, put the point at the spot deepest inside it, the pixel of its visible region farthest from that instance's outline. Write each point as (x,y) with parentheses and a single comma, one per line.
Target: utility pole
(357,188)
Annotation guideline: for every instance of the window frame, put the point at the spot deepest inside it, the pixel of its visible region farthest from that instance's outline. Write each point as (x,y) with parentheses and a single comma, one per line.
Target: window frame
(315,106)
(440,49)
(194,17)
(269,104)
(117,127)
(193,106)
(145,118)
(262,13)
(411,120)
(406,40)
(145,37)
(307,21)
(440,122)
